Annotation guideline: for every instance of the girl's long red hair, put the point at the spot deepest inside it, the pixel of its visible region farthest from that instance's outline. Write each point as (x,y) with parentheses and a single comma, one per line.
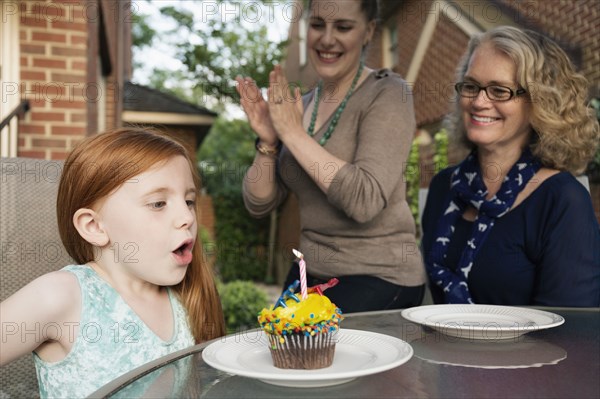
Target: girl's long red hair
(97,167)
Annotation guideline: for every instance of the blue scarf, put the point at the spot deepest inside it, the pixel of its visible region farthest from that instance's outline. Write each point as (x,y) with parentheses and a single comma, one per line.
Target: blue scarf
(467,188)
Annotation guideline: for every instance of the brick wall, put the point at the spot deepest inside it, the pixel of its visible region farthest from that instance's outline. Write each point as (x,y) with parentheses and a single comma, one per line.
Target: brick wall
(53,37)
(433,91)
(410,21)
(569,22)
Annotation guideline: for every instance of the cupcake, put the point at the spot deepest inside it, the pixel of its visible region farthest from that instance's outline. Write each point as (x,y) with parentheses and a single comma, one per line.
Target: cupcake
(302,332)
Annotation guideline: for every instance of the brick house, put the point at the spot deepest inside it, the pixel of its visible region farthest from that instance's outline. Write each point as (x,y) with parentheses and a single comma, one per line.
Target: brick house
(71,60)
(423,40)
(65,70)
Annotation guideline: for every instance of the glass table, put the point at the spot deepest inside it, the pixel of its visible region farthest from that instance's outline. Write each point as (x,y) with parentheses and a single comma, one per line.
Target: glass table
(561,362)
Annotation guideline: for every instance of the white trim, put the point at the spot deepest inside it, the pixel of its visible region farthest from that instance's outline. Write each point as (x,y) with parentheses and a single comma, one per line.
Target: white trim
(101,103)
(9,76)
(463,22)
(166,118)
(385,46)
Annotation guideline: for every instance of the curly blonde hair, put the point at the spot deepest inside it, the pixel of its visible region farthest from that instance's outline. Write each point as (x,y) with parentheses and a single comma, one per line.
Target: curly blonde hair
(566,132)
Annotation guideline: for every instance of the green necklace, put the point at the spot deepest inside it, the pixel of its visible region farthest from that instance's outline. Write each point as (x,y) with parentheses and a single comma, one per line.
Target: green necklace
(338,111)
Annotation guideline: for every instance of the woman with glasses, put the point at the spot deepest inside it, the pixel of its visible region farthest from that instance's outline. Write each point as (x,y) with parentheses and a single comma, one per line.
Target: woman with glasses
(510,225)
(341,149)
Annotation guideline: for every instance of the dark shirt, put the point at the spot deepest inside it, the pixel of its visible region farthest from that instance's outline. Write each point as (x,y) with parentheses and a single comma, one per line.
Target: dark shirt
(545,251)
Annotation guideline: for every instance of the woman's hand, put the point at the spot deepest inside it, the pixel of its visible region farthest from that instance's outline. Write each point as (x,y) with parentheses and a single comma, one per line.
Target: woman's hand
(256,109)
(285,108)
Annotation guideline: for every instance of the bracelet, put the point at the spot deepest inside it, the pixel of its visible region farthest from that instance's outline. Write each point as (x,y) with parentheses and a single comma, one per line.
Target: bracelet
(266,150)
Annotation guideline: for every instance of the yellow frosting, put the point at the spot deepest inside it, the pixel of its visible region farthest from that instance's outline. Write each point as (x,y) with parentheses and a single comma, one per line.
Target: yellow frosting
(315,314)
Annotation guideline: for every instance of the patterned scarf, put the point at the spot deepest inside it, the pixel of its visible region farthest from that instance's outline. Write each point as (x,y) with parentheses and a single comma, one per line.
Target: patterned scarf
(467,188)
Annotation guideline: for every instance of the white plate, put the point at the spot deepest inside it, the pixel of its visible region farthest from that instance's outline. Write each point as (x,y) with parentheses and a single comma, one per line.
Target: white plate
(357,353)
(491,322)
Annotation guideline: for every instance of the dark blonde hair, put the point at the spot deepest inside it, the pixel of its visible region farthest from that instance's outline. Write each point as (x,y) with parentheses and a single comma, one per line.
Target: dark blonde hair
(98,166)
(566,132)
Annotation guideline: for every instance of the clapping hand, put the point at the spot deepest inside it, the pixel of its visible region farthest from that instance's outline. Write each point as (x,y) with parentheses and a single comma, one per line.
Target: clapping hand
(256,109)
(285,108)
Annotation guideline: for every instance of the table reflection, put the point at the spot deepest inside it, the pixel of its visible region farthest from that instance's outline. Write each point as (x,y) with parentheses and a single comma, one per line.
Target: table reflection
(525,351)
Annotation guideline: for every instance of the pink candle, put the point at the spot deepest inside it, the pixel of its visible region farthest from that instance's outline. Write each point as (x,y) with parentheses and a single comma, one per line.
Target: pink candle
(302,264)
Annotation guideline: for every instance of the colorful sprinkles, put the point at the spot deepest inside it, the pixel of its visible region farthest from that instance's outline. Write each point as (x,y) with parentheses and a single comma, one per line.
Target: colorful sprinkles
(277,321)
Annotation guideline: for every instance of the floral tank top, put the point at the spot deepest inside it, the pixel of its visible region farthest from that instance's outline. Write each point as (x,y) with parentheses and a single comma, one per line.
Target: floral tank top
(111,341)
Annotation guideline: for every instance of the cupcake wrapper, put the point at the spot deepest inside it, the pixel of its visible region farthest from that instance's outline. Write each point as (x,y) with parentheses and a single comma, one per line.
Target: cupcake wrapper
(299,351)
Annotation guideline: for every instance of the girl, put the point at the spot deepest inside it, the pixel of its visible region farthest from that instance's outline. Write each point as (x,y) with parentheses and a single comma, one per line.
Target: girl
(127,215)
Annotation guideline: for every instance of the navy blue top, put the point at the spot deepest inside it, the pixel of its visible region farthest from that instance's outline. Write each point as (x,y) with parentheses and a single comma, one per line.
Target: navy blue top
(545,251)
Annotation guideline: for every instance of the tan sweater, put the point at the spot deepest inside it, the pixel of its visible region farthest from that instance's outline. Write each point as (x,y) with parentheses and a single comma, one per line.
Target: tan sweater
(363,225)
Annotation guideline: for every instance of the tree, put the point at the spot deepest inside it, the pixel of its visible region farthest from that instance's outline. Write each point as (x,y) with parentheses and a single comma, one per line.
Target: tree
(214,48)
(242,242)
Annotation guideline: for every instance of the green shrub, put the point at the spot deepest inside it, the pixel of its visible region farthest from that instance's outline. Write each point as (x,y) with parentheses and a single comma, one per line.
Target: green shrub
(440,159)
(413,176)
(241,301)
(412,173)
(240,242)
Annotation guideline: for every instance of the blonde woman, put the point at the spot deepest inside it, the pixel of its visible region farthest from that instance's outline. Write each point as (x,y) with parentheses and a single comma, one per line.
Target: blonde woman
(510,225)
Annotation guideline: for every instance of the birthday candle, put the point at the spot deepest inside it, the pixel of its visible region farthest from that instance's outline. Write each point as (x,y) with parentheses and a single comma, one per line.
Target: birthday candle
(302,264)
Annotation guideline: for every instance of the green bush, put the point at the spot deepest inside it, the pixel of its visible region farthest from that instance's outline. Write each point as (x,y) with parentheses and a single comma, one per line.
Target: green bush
(412,173)
(440,159)
(241,301)
(241,241)
(413,176)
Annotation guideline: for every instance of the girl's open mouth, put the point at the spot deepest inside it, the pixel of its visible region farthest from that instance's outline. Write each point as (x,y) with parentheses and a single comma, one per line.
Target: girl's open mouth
(183,253)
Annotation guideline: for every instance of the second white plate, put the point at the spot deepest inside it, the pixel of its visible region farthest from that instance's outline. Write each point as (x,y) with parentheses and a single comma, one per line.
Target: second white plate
(482,321)
(357,353)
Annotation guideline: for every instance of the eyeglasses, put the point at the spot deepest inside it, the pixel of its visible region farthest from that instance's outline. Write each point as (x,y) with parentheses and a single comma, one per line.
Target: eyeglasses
(493,92)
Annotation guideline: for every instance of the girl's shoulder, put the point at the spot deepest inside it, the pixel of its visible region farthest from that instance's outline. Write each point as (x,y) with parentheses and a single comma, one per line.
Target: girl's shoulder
(54,297)
(56,282)
(57,290)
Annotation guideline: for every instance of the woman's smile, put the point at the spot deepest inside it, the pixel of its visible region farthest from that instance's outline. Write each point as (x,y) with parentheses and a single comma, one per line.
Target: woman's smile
(482,120)
(328,56)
